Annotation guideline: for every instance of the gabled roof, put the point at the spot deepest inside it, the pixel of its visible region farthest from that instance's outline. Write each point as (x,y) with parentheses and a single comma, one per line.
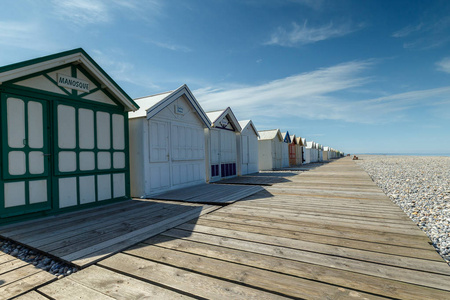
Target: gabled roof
(153,104)
(286,137)
(300,141)
(304,141)
(293,139)
(270,134)
(248,123)
(75,56)
(217,115)
(310,144)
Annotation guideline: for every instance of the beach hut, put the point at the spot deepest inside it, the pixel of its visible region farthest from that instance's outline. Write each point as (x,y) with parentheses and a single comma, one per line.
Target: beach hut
(270,144)
(285,149)
(293,151)
(310,152)
(167,143)
(248,145)
(326,153)
(64,129)
(300,153)
(222,141)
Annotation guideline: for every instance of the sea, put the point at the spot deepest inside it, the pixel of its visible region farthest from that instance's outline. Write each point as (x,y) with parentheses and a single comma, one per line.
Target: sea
(408,154)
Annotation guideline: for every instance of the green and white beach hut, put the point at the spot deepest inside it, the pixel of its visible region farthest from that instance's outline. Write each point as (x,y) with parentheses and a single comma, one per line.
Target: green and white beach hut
(167,143)
(64,136)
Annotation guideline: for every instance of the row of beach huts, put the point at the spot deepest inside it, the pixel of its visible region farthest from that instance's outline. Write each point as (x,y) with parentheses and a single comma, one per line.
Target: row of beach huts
(72,139)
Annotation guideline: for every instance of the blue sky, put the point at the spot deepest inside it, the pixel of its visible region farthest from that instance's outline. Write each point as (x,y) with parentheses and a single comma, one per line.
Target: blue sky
(358,76)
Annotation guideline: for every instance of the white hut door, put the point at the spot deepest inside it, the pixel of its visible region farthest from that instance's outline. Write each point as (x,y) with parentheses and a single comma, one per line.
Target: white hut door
(215,154)
(159,155)
(25,154)
(245,154)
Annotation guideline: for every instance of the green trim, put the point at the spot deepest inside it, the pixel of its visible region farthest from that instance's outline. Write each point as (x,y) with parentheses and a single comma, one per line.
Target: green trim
(61,55)
(50,102)
(56,84)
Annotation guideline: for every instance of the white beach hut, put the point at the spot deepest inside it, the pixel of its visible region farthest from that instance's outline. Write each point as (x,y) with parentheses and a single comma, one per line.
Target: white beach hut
(310,152)
(64,136)
(285,149)
(248,145)
(300,152)
(167,143)
(270,144)
(222,141)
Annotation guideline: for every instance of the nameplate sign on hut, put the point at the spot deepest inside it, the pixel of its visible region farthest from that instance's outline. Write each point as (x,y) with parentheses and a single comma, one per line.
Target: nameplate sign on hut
(179,109)
(73,83)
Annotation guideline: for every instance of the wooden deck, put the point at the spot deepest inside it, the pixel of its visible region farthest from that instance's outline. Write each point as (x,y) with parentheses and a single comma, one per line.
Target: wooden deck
(328,233)
(217,194)
(84,237)
(17,276)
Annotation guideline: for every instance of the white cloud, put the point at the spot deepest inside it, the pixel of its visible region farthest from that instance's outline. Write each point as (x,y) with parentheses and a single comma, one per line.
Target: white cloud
(82,12)
(325,94)
(122,70)
(407,30)
(171,46)
(85,12)
(304,34)
(25,35)
(431,33)
(444,65)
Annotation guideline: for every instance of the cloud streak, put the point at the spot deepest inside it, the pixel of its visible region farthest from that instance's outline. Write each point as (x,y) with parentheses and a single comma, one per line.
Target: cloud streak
(305,34)
(324,94)
(444,65)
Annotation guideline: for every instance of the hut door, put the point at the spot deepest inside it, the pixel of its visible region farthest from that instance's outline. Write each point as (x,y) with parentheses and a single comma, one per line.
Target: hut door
(159,155)
(215,154)
(26,184)
(245,154)
(292,155)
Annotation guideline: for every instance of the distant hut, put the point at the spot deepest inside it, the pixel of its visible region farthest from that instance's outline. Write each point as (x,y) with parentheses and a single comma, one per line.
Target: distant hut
(167,142)
(270,144)
(300,146)
(293,151)
(248,145)
(222,140)
(285,149)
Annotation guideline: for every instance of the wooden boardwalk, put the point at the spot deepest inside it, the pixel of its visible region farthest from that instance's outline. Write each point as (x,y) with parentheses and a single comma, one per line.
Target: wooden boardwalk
(82,238)
(17,276)
(217,194)
(328,233)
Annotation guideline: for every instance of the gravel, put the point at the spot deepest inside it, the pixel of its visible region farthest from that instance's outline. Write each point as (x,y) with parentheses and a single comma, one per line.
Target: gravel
(420,185)
(39,260)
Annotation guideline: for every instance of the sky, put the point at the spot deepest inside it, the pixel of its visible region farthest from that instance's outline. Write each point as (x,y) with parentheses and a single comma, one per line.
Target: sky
(357,76)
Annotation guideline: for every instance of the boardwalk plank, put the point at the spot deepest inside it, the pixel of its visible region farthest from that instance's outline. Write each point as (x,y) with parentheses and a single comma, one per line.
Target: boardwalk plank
(280,283)
(389,272)
(193,283)
(347,279)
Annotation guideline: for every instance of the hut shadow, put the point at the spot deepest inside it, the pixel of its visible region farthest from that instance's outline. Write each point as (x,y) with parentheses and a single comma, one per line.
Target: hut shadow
(175,237)
(85,237)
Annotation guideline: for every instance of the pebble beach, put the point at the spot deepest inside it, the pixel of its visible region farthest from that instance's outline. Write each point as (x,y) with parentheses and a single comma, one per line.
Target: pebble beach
(420,185)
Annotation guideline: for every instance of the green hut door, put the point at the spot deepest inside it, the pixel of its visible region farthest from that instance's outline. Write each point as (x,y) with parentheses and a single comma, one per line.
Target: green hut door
(26,178)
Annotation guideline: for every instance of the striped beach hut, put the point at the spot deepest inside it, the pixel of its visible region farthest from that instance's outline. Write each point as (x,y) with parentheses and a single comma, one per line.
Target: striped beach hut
(167,143)
(248,145)
(222,142)
(64,129)
(270,145)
